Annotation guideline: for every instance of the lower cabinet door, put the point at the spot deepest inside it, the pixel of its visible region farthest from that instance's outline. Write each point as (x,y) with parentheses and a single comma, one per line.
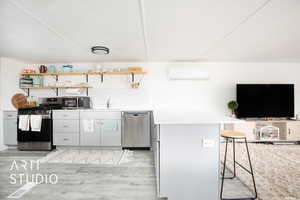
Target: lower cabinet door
(10,131)
(90,132)
(110,133)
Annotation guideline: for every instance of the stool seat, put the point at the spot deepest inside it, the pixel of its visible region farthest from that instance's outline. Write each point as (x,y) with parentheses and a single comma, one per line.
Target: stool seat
(233,134)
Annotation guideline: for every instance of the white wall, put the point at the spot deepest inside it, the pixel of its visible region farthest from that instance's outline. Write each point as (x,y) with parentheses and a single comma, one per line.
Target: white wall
(213,95)
(8,86)
(158,90)
(116,87)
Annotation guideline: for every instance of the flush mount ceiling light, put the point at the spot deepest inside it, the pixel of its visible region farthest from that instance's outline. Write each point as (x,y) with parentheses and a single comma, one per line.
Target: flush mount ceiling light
(100,50)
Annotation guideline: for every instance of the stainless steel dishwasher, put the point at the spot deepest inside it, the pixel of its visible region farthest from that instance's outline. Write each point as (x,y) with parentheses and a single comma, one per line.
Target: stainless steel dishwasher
(136,129)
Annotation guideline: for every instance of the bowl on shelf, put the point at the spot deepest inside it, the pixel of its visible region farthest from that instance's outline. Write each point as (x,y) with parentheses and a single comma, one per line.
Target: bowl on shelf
(67,68)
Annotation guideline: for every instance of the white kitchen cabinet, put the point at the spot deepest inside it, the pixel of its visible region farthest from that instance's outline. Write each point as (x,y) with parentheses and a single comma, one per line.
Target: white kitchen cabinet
(87,128)
(90,136)
(66,139)
(66,114)
(66,127)
(10,128)
(100,128)
(110,132)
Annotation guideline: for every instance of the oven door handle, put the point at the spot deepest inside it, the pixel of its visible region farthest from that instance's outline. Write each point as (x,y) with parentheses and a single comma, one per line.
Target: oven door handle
(43,116)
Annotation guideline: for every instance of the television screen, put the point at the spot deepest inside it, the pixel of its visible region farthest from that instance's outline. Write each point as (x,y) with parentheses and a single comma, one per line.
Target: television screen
(265,100)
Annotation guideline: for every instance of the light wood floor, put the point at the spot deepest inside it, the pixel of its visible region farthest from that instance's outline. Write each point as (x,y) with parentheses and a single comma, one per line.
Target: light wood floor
(131,181)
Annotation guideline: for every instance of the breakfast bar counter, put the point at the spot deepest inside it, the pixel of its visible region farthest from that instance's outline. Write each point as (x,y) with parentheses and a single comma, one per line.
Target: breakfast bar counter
(186,146)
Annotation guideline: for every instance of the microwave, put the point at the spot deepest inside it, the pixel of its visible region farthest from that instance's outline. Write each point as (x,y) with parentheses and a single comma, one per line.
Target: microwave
(75,102)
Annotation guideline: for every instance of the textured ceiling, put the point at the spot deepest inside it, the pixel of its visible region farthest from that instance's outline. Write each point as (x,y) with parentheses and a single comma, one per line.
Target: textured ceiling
(151,30)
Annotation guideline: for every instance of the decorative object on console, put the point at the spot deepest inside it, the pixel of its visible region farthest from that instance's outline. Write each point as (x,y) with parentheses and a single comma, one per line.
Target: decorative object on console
(269,133)
(233,106)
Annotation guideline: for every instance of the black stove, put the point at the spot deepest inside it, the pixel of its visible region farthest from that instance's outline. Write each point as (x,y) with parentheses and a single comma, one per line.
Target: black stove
(37,140)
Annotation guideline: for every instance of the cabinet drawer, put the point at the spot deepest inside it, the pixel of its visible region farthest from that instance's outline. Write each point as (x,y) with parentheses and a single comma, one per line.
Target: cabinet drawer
(100,115)
(66,126)
(66,115)
(10,131)
(66,139)
(10,114)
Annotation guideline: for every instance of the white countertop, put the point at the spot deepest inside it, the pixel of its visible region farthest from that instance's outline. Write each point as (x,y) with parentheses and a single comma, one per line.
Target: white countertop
(123,108)
(190,117)
(172,115)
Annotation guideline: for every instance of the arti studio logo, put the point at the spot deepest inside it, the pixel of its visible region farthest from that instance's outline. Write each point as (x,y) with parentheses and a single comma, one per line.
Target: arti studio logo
(23,171)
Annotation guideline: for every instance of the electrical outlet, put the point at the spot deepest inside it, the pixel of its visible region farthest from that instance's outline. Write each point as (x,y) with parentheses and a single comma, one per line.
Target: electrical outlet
(208,143)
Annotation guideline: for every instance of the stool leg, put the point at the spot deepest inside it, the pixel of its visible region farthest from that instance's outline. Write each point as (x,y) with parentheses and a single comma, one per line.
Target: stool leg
(234,172)
(224,168)
(251,169)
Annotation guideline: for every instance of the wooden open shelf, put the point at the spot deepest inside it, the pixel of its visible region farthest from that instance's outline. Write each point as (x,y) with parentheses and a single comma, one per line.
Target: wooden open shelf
(55,87)
(85,73)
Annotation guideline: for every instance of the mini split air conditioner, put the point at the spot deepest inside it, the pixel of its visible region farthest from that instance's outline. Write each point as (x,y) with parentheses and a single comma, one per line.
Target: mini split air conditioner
(188,73)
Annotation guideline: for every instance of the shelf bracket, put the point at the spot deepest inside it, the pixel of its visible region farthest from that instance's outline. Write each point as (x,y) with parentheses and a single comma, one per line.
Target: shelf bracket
(102,78)
(132,77)
(27,91)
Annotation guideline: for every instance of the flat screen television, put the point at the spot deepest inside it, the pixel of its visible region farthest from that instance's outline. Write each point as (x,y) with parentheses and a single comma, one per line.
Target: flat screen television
(265,100)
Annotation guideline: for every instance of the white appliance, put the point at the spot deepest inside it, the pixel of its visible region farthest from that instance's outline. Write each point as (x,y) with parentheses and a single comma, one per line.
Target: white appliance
(188,73)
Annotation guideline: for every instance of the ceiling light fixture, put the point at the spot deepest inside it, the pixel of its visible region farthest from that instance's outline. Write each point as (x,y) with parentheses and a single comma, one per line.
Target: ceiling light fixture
(100,50)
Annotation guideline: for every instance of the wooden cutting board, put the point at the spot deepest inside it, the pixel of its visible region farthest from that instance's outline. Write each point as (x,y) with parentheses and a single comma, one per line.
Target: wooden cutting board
(19,101)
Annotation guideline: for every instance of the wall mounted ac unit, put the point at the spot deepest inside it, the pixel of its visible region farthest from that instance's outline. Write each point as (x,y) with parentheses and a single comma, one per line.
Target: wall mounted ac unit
(188,73)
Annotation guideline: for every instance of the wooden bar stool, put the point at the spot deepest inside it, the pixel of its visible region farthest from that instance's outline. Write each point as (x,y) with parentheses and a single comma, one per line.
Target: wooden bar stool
(234,135)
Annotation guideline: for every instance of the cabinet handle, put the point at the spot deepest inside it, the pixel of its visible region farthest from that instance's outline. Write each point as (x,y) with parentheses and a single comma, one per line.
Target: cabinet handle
(65,115)
(289,131)
(66,126)
(65,139)
(9,115)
